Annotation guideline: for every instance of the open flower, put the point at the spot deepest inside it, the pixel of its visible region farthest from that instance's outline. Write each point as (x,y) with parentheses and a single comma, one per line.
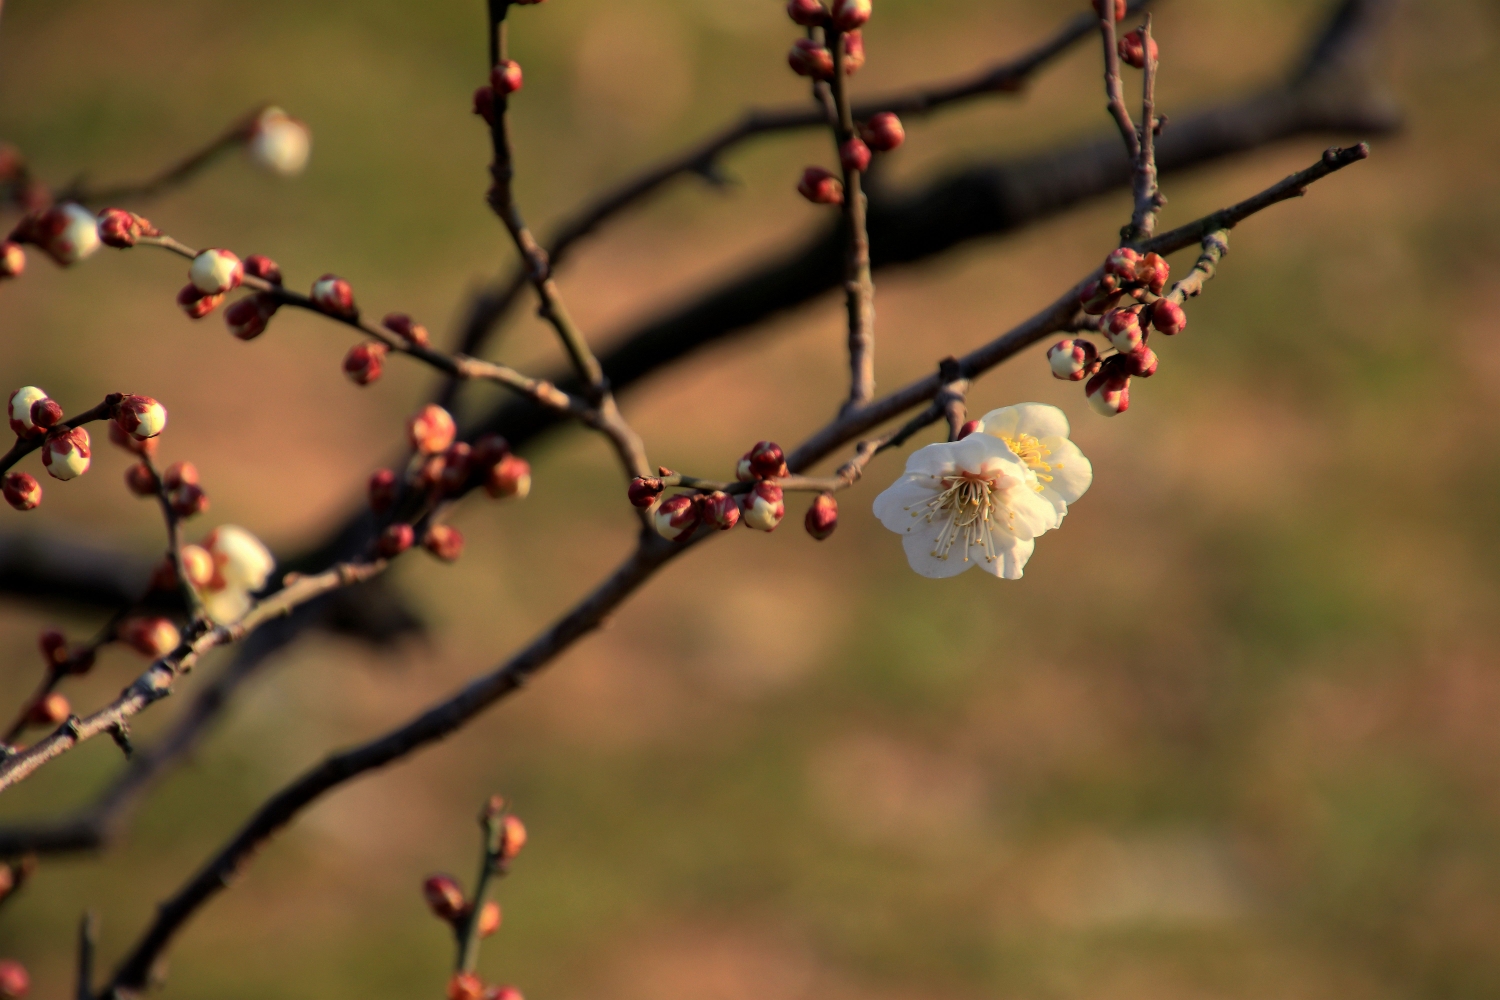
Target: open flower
(983,501)
(241,566)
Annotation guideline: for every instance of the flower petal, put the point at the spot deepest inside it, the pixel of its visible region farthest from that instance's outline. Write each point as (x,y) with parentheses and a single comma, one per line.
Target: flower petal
(902,506)
(1037,419)
(1012,561)
(919,546)
(1072,473)
(1034,513)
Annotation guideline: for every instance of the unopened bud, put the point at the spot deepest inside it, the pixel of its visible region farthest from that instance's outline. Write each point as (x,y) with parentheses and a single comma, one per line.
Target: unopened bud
(1168,317)
(51,710)
(248,317)
(444,897)
(22,491)
(810,58)
(489,450)
(196,304)
(488,921)
(141,416)
(1108,392)
(719,510)
(66,453)
(364,362)
(854,52)
(1099,297)
(333,295)
(407,329)
(1100,6)
(458,463)
(151,637)
(122,438)
(766,461)
(198,564)
(382,490)
(506,77)
(820,187)
(969,427)
(395,539)
(822,517)
(263,268)
(850,14)
(445,542)
(808,13)
(121,229)
(763,507)
(465,986)
(180,473)
(1140,362)
(46,413)
(1123,328)
(510,477)
(216,271)
(676,517)
(1154,270)
(1073,360)
(1122,263)
(643,491)
(883,132)
(484,104)
(854,154)
(431,430)
(141,481)
(12,260)
(279,143)
(54,647)
(1133,52)
(67,233)
(512,838)
(22,402)
(15,981)
(187,500)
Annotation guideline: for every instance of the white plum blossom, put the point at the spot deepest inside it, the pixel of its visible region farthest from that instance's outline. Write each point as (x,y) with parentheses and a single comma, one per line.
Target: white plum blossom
(241,566)
(983,501)
(280,143)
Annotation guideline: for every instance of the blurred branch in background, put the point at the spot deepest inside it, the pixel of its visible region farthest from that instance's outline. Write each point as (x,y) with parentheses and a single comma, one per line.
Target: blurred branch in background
(1337,88)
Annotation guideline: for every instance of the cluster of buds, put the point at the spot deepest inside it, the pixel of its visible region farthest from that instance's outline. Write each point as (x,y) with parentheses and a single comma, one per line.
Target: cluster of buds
(811,58)
(505,837)
(121,229)
(15,982)
(32,412)
(505,79)
(226,569)
(184,495)
(279,143)
(248,317)
(1132,48)
(67,233)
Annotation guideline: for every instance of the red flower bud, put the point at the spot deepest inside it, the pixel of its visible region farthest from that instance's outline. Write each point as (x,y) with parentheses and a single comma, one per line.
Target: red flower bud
(54,647)
(1101,296)
(263,268)
(820,187)
(489,919)
(364,362)
(883,132)
(510,477)
(1123,328)
(1154,271)
(431,430)
(1073,360)
(50,711)
(719,510)
(248,317)
(215,272)
(458,463)
(822,517)
(506,77)
(808,13)
(484,104)
(1132,52)
(676,518)
(382,490)
(141,481)
(22,491)
(766,461)
(45,413)
(763,507)
(810,58)
(333,295)
(151,637)
(12,260)
(1122,263)
(179,473)
(854,52)
(512,838)
(855,155)
(122,438)
(850,14)
(188,500)
(1168,317)
(15,982)
(122,229)
(141,416)
(445,542)
(489,450)
(66,453)
(1140,362)
(395,539)
(643,492)
(1109,392)
(465,986)
(195,303)
(1100,6)
(407,329)
(444,897)
(968,428)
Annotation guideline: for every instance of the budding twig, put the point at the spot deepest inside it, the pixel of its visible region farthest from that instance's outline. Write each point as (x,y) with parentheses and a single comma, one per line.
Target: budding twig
(1148,199)
(174,543)
(26,445)
(859,286)
(1114,87)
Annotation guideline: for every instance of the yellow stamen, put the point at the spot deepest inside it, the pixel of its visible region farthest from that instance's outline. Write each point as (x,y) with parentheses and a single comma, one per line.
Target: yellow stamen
(1028,448)
(971,506)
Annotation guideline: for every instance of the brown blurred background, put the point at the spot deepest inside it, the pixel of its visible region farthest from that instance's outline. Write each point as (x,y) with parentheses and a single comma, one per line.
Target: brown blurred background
(1234,735)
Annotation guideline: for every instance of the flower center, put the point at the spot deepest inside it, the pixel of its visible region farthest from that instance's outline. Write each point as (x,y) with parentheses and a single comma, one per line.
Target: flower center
(971,506)
(1030,450)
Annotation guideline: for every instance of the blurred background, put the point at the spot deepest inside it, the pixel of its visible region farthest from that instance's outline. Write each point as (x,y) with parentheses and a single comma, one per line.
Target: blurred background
(1234,734)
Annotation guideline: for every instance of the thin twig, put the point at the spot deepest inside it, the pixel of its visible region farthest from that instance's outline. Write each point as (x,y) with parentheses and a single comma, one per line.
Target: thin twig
(26,445)
(1114,88)
(859,287)
(1148,199)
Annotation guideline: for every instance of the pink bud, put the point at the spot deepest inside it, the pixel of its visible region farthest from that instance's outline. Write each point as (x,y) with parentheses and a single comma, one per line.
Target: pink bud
(1100,6)
(809,58)
(196,304)
(854,154)
(764,506)
(484,104)
(883,132)
(767,461)
(1109,393)
(1140,362)
(505,78)
(510,477)
(15,983)
(248,317)
(512,837)
(121,229)
(502,993)
(199,566)
(676,517)
(431,430)
(141,416)
(488,921)
(67,233)
(216,271)
(1168,317)
(187,500)
(50,711)
(969,427)
(822,517)
(364,362)
(444,897)
(22,402)
(395,539)
(54,647)
(141,481)
(1133,53)
(643,491)
(66,453)
(263,268)
(1154,270)
(179,474)
(850,14)
(407,329)
(465,986)
(820,187)
(854,52)
(1123,328)
(719,510)
(12,260)
(122,438)
(444,542)
(22,491)
(151,637)
(1101,296)
(333,295)
(46,413)
(1073,360)
(458,462)
(808,13)
(382,490)
(1122,263)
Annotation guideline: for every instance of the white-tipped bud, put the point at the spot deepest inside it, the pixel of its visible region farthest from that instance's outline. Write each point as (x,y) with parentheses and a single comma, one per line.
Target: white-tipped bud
(68,233)
(241,560)
(151,637)
(66,453)
(21,402)
(676,517)
(1123,328)
(142,416)
(1073,360)
(431,430)
(764,506)
(198,565)
(279,143)
(216,271)
(1109,393)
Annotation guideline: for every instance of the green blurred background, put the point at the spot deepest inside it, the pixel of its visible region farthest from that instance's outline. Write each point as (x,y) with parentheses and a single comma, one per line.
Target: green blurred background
(1234,734)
